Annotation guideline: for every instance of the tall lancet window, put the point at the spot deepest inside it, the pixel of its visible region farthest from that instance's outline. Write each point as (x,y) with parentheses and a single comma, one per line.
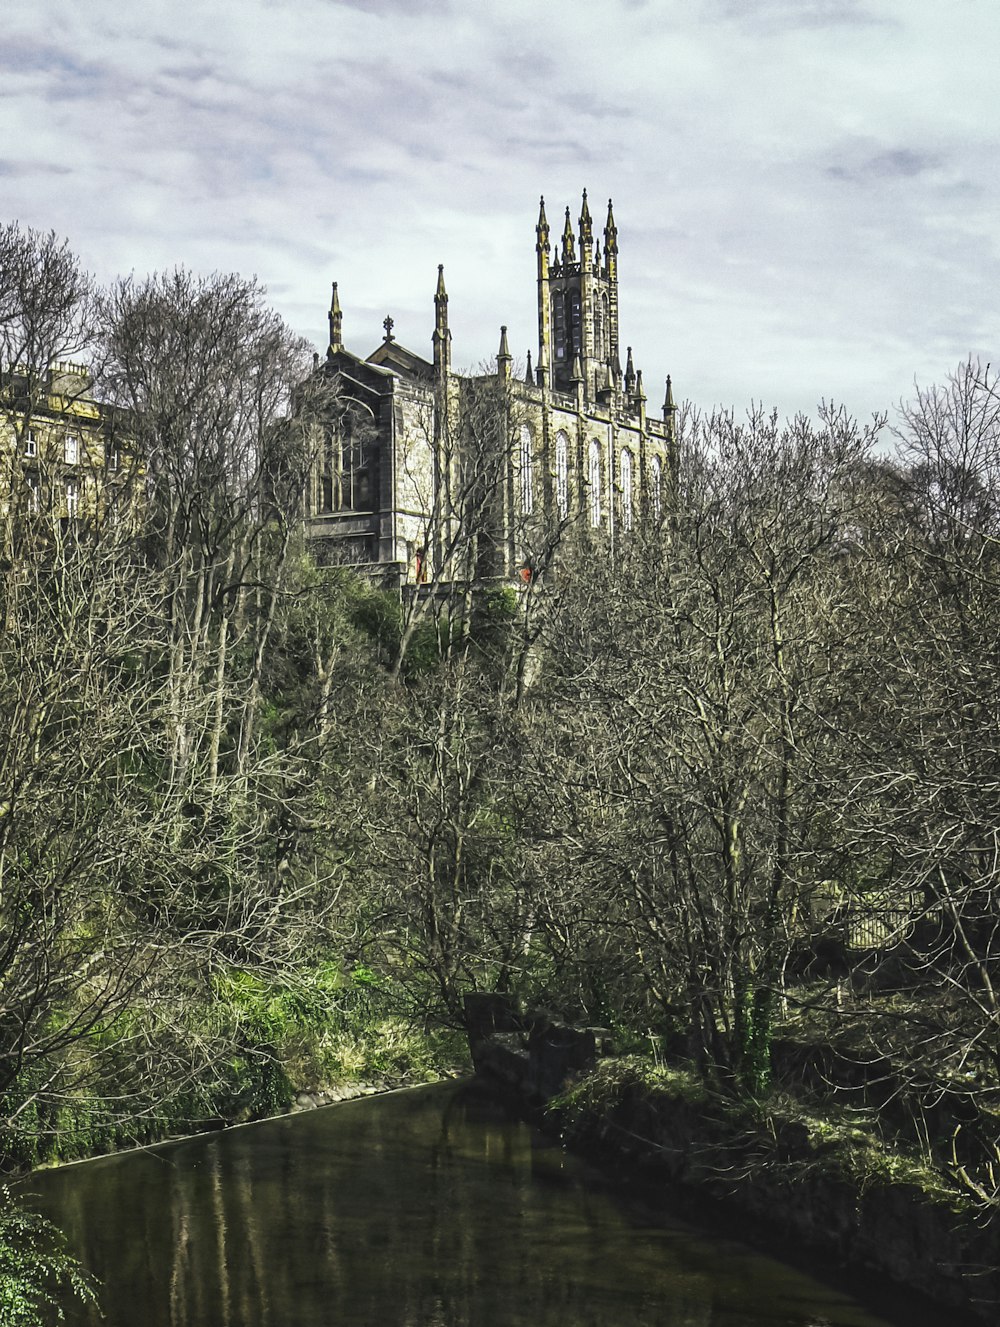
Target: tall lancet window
(599,329)
(527,491)
(562,475)
(655,486)
(594,477)
(574,317)
(559,325)
(605,345)
(625,479)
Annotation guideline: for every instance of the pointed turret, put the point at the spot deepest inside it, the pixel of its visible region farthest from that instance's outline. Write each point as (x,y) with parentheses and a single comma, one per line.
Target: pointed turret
(629,373)
(568,242)
(504,356)
(442,337)
(610,243)
(544,310)
(640,394)
(529,377)
(586,228)
(670,412)
(542,229)
(336,323)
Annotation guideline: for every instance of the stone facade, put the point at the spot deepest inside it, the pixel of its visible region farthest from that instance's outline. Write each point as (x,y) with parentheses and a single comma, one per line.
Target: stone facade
(62,454)
(391,481)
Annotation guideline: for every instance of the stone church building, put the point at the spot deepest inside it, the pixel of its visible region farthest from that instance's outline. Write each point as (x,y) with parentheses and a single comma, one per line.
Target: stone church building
(418,454)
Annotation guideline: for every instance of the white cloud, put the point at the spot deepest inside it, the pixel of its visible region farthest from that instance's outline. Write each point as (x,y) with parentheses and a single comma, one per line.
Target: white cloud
(805,189)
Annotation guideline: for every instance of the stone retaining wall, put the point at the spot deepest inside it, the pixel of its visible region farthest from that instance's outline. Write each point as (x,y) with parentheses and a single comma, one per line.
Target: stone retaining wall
(777,1176)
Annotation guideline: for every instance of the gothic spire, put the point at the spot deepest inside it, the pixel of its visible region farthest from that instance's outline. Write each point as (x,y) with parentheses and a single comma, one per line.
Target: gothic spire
(586,228)
(542,229)
(568,242)
(529,377)
(441,339)
(610,231)
(336,323)
(504,356)
(611,245)
(629,372)
(670,413)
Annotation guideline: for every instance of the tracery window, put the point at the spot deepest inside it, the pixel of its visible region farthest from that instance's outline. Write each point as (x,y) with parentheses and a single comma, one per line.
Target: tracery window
(594,477)
(574,318)
(348,479)
(655,484)
(559,325)
(527,491)
(562,475)
(625,480)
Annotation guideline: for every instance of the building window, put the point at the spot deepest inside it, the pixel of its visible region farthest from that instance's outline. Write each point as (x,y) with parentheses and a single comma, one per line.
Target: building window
(626,487)
(71,449)
(33,494)
(72,497)
(605,347)
(599,329)
(112,460)
(574,317)
(655,478)
(559,325)
(353,460)
(30,443)
(527,494)
(594,477)
(562,475)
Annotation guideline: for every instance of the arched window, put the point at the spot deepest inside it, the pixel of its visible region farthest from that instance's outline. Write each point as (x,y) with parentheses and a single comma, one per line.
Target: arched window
(594,477)
(348,481)
(574,337)
(527,492)
(562,475)
(655,482)
(625,479)
(599,329)
(559,325)
(605,347)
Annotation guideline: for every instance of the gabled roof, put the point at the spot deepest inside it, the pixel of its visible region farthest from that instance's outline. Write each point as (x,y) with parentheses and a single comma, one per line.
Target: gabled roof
(357,370)
(391,355)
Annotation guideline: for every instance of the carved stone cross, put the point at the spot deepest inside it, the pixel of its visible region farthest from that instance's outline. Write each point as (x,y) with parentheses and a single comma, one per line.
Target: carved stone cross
(388,325)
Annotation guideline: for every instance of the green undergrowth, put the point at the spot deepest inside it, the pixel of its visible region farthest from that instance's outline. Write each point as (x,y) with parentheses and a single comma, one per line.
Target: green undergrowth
(36,1272)
(776,1132)
(259,1042)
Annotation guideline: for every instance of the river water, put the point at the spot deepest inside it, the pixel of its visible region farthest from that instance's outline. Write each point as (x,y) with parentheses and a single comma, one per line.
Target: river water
(423,1208)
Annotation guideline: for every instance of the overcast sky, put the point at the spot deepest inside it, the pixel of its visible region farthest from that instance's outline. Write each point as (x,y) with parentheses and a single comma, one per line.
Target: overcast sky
(806,190)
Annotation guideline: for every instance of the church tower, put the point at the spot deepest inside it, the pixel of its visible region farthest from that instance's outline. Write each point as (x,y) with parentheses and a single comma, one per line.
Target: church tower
(578,307)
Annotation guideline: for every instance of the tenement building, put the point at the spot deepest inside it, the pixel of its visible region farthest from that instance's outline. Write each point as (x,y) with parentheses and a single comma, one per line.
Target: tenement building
(61,455)
(419,460)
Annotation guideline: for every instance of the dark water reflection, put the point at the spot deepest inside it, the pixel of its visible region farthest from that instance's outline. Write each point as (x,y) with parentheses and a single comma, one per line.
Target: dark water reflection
(426,1208)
